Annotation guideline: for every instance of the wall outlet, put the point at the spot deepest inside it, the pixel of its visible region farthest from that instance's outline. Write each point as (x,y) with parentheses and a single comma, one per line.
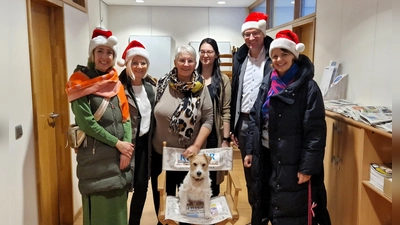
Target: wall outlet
(18,132)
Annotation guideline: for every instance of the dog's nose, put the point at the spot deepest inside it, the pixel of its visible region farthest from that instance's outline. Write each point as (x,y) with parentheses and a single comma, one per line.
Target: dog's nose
(198,173)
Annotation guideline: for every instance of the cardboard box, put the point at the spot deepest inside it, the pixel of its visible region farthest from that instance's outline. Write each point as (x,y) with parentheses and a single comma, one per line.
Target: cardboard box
(387,187)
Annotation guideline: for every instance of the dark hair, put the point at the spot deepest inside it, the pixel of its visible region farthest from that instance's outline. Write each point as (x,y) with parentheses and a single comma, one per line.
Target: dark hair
(216,78)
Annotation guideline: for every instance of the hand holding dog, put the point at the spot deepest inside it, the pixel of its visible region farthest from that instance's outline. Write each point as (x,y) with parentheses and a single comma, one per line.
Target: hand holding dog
(192,150)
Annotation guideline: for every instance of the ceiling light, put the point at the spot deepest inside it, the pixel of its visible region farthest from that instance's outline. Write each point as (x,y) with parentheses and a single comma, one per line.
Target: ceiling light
(139,1)
(221,2)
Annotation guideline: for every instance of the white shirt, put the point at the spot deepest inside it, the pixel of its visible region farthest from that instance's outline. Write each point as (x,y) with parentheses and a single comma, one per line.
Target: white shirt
(252,79)
(144,106)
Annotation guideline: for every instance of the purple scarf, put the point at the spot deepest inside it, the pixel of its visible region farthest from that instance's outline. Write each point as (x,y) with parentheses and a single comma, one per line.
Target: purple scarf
(277,85)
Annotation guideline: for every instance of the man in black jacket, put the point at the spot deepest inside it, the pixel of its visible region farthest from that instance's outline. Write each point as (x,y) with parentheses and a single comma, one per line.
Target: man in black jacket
(250,64)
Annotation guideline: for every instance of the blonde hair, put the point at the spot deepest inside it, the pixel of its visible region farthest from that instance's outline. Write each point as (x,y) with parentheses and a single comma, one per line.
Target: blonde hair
(128,68)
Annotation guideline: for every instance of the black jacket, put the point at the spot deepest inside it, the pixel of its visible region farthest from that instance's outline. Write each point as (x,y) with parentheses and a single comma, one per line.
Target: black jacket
(238,59)
(297,136)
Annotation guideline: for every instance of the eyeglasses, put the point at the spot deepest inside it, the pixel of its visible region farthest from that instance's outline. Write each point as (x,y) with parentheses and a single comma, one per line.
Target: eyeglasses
(255,34)
(206,52)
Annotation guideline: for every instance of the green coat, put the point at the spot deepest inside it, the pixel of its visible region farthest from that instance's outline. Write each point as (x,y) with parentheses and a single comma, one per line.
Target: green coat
(98,160)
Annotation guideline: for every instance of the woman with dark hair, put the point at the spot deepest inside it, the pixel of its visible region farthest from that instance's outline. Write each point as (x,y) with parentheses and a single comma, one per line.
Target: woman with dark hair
(219,87)
(140,92)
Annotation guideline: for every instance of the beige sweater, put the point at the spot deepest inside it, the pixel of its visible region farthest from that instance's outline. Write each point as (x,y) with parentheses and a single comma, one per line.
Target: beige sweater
(166,107)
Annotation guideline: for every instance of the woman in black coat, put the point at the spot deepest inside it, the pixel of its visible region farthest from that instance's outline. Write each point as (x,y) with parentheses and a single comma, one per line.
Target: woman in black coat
(287,124)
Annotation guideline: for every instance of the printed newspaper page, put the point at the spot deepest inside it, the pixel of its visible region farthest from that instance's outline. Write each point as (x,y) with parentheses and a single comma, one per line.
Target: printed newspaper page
(195,213)
(221,159)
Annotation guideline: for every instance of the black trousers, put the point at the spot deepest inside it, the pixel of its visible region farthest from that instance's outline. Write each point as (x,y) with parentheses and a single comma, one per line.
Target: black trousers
(259,209)
(140,182)
(243,123)
(156,167)
(212,142)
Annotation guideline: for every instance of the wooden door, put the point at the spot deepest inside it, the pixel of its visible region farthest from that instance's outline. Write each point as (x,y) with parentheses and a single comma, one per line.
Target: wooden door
(51,114)
(330,167)
(348,172)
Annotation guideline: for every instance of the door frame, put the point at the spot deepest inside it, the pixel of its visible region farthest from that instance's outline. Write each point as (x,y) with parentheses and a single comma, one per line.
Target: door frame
(63,168)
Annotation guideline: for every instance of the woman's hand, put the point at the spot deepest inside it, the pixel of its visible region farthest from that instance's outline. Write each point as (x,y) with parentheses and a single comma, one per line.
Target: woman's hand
(225,144)
(124,161)
(126,148)
(192,150)
(303,178)
(234,139)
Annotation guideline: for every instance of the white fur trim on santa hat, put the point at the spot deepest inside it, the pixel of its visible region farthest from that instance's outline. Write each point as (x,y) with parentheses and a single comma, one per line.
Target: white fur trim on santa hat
(111,42)
(287,44)
(132,53)
(261,25)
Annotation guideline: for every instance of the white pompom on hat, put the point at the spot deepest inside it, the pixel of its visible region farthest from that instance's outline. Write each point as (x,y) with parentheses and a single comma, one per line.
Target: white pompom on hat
(133,49)
(101,36)
(287,39)
(256,20)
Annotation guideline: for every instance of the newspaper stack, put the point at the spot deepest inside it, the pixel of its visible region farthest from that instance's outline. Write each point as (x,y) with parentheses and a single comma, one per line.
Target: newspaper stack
(378,173)
(219,211)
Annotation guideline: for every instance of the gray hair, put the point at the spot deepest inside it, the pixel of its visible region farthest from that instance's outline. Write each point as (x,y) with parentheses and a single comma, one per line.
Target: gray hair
(185,48)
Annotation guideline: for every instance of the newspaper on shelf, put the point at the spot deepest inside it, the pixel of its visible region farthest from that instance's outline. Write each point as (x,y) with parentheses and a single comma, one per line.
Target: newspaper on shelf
(378,116)
(219,211)
(385,126)
(339,106)
(378,173)
(375,118)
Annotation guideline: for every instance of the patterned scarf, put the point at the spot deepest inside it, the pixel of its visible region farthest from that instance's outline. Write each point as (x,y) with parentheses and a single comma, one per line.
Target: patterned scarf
(277,85)
(185,116)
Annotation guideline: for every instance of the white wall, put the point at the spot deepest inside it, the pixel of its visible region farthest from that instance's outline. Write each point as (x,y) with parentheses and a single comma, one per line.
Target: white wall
(183,24)
(357,33)
(77,42)
(20,199)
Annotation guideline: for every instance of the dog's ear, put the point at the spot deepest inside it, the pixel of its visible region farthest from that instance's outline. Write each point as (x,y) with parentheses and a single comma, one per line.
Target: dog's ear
(208,158)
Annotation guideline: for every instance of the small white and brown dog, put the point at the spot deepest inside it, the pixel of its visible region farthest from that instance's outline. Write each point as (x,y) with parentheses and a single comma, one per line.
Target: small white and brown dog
(196,187)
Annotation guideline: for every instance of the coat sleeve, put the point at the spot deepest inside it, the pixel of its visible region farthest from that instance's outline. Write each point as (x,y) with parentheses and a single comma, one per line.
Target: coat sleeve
(226,99)
(207,114)
(86,122)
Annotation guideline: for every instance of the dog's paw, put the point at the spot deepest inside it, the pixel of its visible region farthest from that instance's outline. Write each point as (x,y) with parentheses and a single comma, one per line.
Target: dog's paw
(182,209)
(207,215)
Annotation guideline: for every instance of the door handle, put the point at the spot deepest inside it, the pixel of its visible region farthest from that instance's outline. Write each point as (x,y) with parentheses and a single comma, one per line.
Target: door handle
(53,116)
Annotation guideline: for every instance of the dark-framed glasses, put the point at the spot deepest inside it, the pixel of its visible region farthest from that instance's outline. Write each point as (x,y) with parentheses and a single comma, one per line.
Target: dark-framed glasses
(209,52)
(255,34)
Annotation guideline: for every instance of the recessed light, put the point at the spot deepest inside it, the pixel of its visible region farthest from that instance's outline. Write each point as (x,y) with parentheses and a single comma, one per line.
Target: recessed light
(139,1)
(221,2)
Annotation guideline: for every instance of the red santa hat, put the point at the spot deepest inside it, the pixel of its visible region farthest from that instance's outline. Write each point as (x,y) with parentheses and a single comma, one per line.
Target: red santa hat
(133,49)
(287,39)
(101,36)
(256,20)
